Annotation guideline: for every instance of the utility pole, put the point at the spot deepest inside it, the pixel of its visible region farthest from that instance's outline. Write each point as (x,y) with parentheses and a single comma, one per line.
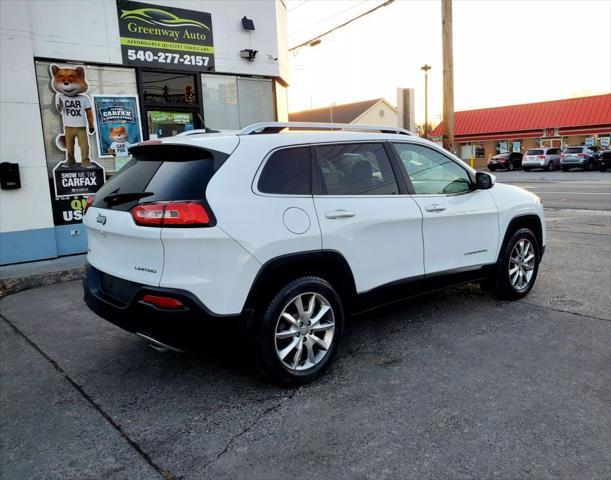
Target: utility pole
(448,75)
(425,68)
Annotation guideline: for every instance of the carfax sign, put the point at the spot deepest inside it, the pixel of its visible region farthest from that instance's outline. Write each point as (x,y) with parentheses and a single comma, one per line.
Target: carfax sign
(165,37)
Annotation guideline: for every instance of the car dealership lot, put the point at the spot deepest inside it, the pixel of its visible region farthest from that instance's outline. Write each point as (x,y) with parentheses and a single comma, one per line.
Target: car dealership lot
(452,385)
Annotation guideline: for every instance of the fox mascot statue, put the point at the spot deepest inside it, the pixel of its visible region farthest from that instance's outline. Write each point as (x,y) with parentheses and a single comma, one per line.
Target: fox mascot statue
(74,106)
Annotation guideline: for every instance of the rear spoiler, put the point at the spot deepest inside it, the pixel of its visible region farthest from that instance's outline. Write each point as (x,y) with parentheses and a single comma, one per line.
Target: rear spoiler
(172,152)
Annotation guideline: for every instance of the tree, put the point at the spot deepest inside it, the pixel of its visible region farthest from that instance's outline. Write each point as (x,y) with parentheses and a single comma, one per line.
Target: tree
(421,130)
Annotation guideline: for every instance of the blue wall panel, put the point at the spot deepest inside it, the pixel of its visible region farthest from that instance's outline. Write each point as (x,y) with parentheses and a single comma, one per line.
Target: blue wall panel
(68,244)
(27,245)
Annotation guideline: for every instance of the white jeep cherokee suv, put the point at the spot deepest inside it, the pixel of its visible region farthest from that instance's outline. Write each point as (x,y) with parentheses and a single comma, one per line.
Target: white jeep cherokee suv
(291,232)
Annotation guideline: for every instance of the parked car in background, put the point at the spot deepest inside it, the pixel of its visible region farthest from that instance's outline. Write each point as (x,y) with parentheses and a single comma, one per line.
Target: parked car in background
(604,160)
(577,157)
(545,158)
(509,160)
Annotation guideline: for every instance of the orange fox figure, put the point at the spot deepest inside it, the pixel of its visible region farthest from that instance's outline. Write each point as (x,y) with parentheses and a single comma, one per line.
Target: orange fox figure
(119,146)
(75,108)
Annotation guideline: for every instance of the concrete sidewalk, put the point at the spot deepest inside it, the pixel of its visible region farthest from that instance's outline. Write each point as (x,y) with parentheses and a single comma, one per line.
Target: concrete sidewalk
(22,276)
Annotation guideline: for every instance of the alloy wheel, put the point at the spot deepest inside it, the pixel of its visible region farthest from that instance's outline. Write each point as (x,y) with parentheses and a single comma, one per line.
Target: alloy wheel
(304,331)
(521,264)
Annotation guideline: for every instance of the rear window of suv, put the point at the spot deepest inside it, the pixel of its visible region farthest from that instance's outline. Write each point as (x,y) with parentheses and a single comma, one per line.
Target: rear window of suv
(157,174)
(534,152)
(574,150)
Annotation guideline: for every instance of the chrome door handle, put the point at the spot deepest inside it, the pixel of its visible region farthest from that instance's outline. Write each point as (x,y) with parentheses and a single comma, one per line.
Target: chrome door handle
(435,207)
(339,214)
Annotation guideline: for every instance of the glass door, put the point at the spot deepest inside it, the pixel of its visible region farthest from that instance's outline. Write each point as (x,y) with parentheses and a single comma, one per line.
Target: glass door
(171,103)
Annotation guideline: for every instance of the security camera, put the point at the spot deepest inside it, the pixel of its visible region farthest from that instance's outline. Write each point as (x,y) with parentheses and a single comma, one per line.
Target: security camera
(248,54)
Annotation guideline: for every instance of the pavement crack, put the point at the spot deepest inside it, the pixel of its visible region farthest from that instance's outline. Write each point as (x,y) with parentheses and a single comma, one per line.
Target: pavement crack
(165,474)
(274,408)
(592,317)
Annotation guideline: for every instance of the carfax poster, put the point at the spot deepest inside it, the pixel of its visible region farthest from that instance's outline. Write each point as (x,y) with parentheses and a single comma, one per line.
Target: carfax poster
(118,125)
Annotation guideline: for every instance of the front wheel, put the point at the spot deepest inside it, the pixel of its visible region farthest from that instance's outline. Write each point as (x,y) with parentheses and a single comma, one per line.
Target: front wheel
(300,331)
(510,167)
(603,168)
(550,166)
(517,268)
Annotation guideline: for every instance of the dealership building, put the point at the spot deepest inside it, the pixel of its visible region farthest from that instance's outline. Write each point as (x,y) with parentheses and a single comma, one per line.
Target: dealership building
(81,81)
(480,134)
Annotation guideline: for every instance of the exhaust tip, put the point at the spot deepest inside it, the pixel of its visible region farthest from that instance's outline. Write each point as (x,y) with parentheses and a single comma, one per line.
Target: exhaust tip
(159,346)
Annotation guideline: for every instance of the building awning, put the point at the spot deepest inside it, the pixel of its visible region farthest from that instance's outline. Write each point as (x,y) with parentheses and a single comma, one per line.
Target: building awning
(572,116)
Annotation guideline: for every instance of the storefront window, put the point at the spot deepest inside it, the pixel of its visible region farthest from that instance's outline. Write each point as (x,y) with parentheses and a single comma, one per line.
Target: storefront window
(231,103)
(100,80)
(220,94)
(168,88)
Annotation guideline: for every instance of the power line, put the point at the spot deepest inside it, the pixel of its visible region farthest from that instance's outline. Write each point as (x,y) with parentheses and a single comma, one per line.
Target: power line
(318,37)
(297,6)
(329,18)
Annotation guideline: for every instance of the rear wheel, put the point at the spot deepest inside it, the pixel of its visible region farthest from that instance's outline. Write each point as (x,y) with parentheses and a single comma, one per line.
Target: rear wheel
(550,166)
(518,265)
(603,168)
(527,169)
(492,169)
(299,332)
(565,169)
(510,167)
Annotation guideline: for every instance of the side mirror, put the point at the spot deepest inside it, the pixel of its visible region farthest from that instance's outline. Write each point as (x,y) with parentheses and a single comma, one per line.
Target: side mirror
(484,180)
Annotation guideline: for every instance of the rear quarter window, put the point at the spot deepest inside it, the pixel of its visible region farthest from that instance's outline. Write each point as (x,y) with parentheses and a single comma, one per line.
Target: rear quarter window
(574,150)
(287,172)
(534,152)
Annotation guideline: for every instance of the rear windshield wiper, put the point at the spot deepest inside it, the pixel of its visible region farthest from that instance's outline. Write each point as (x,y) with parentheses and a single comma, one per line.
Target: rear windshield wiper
(118,198)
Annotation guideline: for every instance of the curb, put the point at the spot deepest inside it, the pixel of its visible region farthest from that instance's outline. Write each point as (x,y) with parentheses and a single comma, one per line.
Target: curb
(9,286)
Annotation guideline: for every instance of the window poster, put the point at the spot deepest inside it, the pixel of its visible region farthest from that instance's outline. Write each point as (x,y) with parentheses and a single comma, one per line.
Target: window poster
(118,125)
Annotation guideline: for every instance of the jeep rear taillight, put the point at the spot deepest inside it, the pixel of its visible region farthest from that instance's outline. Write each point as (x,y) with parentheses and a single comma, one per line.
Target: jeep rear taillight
(581,155)
(171,214)
(541,157)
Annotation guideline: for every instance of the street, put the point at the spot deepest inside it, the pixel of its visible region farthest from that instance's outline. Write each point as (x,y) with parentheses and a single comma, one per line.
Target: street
(575,189)
(453,385)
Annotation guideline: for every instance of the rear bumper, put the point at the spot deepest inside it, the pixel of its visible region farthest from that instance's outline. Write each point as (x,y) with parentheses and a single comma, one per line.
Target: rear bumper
(532,164)
(179,328)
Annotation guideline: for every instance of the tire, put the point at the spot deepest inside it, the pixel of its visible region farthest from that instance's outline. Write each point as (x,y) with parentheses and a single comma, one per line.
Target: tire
(565,169)
(526,169)
(492,169)
(297,344)
(507,284)
(603,168)
(510,167)
(550,166)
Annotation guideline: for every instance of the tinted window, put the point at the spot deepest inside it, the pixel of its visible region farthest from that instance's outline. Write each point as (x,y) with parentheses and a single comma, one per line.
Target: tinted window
(534,152)
(161,176)
(355,169)
(431,172)
(574,150)
(287,172)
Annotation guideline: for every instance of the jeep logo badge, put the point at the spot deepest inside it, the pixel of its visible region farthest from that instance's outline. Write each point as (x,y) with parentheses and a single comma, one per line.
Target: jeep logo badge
(101,219)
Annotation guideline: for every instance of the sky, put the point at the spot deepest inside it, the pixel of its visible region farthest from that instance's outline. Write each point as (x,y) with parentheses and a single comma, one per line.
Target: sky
(505,52)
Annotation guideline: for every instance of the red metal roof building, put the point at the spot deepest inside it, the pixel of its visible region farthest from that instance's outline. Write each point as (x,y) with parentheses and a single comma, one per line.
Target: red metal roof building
(558,123)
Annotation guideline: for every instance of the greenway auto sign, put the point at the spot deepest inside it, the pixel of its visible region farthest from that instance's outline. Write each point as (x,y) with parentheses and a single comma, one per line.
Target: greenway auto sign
(165,37)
